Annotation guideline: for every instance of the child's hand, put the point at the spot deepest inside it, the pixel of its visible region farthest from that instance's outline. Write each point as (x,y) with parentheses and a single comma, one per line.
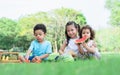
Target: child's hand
(78,44)
(27,61)
(36,59)
(84,44)
(26,57)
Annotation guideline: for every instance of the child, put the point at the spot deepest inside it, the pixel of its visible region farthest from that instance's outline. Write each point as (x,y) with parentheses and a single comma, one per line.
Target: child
(39,47)
(69,46)
(88,48)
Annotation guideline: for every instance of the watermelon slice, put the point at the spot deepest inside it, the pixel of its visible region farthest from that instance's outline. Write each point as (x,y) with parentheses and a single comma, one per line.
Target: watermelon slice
(81,40)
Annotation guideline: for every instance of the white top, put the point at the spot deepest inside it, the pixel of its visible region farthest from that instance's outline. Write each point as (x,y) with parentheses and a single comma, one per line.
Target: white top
(91,43)
(72,46)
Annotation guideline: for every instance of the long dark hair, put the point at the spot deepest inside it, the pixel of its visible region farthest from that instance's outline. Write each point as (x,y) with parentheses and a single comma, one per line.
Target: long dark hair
(77,26)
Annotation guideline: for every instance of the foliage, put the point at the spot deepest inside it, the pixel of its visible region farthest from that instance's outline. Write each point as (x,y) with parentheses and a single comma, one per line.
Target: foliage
(8,31)
(9,36)
(114,7)
(59,17)
(108,39)
(19,34)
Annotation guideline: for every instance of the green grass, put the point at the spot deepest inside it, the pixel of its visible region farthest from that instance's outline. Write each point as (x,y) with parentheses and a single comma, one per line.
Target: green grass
(108,65)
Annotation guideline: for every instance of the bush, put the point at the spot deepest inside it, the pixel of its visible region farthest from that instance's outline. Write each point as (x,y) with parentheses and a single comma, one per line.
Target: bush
(108,39)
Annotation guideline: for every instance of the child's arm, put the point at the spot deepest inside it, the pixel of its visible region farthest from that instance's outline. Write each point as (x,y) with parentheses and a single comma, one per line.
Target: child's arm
(91,49)
(61,51)
(80,49)
(27,54)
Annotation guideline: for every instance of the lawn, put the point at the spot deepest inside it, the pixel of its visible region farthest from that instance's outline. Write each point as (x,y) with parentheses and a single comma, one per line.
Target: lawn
(108,65)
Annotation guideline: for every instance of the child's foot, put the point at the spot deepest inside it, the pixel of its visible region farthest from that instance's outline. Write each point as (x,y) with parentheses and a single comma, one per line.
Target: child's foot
(27,61)
(38,61)
(22,59)
(34,60)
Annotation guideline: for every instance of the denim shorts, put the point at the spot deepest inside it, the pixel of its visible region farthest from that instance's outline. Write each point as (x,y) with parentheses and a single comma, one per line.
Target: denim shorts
(30,58)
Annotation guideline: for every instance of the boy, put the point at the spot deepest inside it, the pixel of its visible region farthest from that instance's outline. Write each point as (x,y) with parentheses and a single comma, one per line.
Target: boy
(40,48)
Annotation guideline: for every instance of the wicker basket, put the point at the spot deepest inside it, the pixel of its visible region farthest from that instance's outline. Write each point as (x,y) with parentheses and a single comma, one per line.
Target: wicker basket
(9,57)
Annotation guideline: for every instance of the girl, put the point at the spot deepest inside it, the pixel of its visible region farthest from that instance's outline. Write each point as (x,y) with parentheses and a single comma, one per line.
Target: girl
(88,48)
(71,32)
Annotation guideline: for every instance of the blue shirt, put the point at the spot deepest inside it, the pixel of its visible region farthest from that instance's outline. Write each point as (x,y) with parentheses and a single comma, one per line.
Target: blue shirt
(39,49)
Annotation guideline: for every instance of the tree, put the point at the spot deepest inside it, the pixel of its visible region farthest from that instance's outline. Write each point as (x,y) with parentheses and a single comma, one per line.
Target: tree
(8,31)
(114,7)
(20,33)
(59,17)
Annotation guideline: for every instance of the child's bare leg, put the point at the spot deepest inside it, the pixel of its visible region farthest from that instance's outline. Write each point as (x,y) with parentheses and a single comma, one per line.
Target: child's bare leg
(21,58)
(61,52)
(72,53)
(33,60)
(36,60)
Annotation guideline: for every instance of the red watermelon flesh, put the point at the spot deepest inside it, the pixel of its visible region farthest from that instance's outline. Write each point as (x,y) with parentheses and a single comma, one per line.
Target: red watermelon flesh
(81,40)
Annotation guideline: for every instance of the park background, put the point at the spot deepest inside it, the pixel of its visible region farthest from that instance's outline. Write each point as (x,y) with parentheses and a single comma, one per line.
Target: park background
(18,17)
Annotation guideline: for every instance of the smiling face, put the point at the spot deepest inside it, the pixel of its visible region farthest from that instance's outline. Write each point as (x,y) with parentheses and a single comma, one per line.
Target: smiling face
(86,32)
(71,31)
(39,35)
